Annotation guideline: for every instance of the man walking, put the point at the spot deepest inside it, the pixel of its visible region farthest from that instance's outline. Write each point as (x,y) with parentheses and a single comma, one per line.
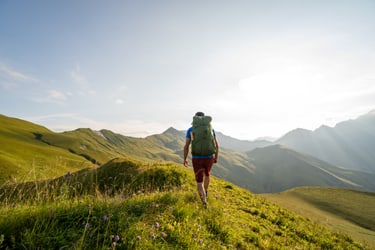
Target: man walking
(205,150)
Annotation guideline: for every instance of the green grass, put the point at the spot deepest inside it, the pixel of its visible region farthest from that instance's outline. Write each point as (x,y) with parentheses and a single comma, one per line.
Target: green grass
(29,151)
(25,158)
(126,204)
(340,209)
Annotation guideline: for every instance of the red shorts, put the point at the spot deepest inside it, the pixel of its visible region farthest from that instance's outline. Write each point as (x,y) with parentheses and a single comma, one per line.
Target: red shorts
(202,166)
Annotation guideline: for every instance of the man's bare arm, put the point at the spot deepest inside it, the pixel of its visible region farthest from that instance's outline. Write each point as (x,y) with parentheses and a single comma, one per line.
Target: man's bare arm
(186,151)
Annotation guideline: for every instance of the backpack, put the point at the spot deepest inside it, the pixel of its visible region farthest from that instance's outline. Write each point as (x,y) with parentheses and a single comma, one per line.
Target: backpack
(203,139)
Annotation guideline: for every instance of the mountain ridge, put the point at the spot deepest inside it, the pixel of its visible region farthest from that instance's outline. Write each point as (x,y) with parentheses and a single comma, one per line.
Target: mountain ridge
(280,168)
(248,169)
(349,144)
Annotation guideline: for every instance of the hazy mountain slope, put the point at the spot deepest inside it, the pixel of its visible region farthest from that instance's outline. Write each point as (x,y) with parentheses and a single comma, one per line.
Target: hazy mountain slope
(225,141)
(349,144)
(279,168)
(240,145)
(172,142)
(25,157)
(340,209)
(89,210)
(270,169)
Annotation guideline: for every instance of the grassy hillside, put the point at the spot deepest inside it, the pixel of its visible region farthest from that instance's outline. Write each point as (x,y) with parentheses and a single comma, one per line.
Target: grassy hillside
(340,209)
(101,146)
(133,205)
(23,156)
(32,152)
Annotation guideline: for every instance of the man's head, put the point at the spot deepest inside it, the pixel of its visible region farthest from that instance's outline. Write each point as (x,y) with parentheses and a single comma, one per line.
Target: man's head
(199,114)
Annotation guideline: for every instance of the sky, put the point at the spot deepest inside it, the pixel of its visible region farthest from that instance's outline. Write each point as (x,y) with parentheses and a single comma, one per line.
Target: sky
(259,68)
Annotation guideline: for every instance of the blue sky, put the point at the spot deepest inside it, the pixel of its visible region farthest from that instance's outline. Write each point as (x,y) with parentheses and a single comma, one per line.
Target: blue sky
(260,68)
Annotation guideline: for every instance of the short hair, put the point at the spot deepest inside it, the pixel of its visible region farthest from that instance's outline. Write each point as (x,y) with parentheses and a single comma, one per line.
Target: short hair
(199,114)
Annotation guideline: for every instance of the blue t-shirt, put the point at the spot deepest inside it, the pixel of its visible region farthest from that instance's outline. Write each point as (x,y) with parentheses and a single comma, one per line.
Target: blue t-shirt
(188,135)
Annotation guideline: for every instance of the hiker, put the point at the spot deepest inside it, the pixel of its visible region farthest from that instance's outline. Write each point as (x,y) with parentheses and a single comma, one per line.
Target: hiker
(205,151)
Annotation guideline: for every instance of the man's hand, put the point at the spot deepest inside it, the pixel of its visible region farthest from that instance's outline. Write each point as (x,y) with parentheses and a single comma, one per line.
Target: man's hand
(186,163)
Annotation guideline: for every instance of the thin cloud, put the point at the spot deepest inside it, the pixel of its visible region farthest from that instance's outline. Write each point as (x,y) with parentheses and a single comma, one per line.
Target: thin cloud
(56,95)
(78,77)
(119,101)
(53,96)
(7,85)
(10,78)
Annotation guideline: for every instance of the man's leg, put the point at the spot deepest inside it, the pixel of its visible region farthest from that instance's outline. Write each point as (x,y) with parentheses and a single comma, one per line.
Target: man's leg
(202,192)
(206,183)
(206,180)
(199,177)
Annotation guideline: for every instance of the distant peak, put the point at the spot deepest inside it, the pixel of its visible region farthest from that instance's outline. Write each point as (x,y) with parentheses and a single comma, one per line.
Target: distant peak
(83,129)
(298,131)
(323,127)
(266,138)
(171,130)
(302,130)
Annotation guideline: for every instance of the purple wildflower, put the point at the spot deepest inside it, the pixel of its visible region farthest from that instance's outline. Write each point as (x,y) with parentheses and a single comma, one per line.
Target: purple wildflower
(105,218)
(153,236)
(157,225)
(117,238)
(164,234)
(68,175)
(138,238)
(87,225)
(201,241)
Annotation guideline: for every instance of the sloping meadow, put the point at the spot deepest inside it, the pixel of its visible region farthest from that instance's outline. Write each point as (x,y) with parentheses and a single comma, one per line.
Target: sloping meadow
(126,204)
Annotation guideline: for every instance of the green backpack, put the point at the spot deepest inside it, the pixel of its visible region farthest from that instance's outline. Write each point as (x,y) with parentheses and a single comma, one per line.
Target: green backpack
(203,139)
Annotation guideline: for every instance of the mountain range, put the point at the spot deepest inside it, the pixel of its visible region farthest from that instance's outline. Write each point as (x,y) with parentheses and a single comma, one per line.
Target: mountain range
(350,144)
(340,156)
